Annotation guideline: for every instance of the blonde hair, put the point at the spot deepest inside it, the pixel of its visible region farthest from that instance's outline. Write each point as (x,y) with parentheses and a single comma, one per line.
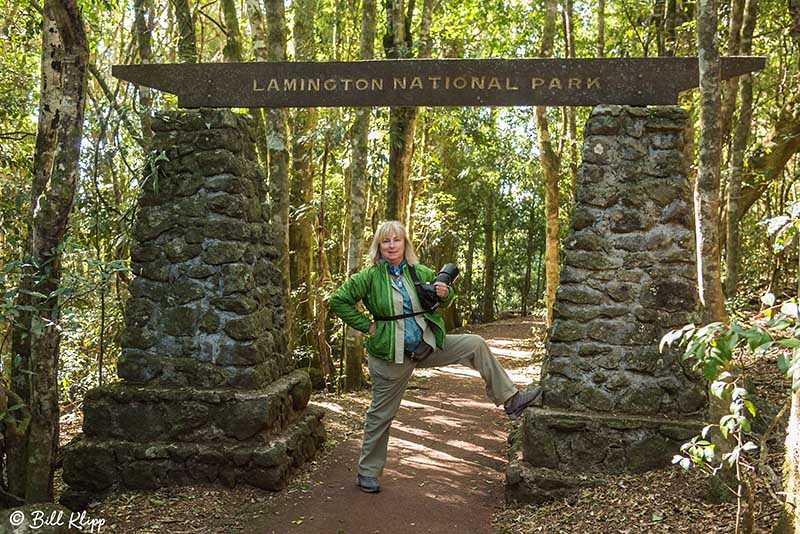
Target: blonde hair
(384,230)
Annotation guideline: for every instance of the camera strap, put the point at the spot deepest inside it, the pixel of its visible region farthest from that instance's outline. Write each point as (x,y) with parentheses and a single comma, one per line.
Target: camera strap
(417,284)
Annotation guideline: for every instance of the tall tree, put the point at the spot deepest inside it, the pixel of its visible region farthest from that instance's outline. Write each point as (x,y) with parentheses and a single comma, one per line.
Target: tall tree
(65,58)
(550,169)
(359,136)
(301,226)
(707,185)
(530,245)
(488,258)
(398,44)
(259,38)
(600,45)
(143,20)
(769,157)
(233,37)
(187,40)
(278,145)
(732,48)
(736,165)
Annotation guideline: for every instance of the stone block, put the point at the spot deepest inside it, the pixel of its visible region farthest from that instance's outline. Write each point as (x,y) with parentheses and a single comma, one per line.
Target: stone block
(93,466)
(567,331)
(138,312)
(583,313)
(602,124)
(178,250)
(595,261)
(641,398)
(250,326)
(219,161)
(669,295)
(221,252)
(237,278)
(152,222)
(240,304)
(582,217)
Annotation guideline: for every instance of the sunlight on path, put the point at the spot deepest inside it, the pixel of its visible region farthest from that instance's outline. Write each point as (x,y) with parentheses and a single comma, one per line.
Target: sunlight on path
(447,455)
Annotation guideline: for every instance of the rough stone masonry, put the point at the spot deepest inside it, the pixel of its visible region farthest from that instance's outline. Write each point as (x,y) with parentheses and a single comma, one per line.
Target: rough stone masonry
(612,402)
(208,390)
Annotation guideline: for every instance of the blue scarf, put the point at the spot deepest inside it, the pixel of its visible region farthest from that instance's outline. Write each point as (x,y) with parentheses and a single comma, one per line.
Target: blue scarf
(412,333)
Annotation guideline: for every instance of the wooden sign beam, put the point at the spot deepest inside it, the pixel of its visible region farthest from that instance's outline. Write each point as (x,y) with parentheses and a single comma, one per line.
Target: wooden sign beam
(431,82)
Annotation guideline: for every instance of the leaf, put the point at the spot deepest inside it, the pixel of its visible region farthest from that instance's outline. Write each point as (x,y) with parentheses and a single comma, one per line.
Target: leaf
(745,422)
(718,388)
(774,224)
(710,369)
(750,446)
(783,364)
(789,308)
(739,393)
(792,343)
(706,430)
(686,463)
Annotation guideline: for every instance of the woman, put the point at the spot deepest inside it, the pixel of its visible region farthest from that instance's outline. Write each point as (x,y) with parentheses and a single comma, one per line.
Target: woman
(403,336)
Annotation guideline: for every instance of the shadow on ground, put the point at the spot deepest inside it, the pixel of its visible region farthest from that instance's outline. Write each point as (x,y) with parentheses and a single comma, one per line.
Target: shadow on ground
(446,462)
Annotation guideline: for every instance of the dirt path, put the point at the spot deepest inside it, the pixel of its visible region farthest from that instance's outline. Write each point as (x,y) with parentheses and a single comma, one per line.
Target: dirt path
(446,458)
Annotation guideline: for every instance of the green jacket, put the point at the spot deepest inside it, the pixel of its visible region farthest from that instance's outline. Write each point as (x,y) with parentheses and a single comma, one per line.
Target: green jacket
(373,286)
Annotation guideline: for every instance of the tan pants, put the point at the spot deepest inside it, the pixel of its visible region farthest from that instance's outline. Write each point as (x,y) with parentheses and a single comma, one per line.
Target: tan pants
(389,382)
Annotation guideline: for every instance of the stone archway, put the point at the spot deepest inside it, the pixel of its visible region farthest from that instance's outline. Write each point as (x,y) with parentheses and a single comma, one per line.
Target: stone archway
(208,390)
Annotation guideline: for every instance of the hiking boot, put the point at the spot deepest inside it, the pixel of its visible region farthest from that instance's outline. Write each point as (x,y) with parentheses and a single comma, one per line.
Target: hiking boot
(521,400)
(368,484)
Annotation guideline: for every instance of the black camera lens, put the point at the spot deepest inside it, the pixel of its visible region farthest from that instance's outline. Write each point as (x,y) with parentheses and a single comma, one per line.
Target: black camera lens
(447,274)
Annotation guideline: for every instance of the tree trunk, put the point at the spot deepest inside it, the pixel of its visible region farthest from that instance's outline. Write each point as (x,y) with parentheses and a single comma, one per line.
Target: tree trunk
(143,20)
(550,168)
(233,38)
(354,351)
(488,258)
(571,112)
(301,228)
(601,28)
(794,30)
(736,168)
(790,519)
(658,22)
(402,120)
(277,143)
(323,282)
(259,34)
(468,277)
(707,186)
(531,235)
(670,18)
(187,42)
(65,57)
(770,156)
(731,87)
(539,275)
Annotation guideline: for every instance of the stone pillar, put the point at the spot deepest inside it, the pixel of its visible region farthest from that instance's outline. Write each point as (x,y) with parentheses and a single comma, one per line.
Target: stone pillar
(208,390)
(612,402)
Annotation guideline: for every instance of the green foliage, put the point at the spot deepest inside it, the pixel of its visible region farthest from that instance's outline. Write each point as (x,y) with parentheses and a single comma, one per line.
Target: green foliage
(713,349)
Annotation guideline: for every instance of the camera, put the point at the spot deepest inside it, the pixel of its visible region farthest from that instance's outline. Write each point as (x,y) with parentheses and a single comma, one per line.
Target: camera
(426,292)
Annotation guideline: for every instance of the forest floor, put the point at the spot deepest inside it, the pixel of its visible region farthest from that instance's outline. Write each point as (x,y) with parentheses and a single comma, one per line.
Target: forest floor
(445,473)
